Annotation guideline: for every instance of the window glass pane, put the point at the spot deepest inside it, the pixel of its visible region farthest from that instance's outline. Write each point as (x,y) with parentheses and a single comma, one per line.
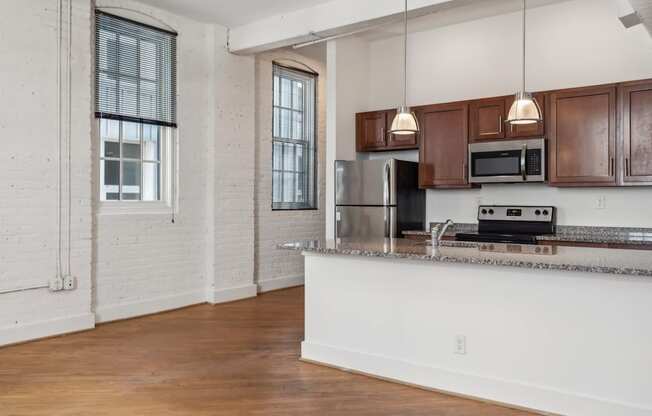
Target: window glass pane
(285,124)
(276,123)
(109,129)
(151,143)
(300,183)
(110,149)
(147,60)
(151,175)
(131,140)
(288,187)
(108,93)
(297,126)
(299,159)
(131,180)
(276,181)
(128,54)
(277,100)
(286,93)
(128,92)
(288,157)
(107,51)
(148,99)
(297,95)
(110,180)
(278,156)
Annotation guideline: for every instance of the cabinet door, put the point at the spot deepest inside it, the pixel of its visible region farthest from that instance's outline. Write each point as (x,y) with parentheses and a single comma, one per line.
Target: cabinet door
(636,120)
(399,141)
(444,146)
(524,131)
(582,131)
(488,119)
(371,131)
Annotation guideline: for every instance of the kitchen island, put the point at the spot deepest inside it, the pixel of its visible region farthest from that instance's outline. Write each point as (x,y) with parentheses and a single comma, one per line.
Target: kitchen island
(563,330)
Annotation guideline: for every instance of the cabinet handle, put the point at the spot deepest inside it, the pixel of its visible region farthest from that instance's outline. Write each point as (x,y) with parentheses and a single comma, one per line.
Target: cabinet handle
(612,167)
(500,124)
(465,167)
(383,133)
(627,167)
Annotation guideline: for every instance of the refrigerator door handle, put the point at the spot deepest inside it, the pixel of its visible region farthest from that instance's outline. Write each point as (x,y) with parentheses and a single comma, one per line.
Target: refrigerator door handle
(387,183)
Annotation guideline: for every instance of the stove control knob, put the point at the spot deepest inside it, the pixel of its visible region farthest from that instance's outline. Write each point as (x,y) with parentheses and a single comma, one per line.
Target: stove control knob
(537,212)
(545,212)
(491,212)
(484,212)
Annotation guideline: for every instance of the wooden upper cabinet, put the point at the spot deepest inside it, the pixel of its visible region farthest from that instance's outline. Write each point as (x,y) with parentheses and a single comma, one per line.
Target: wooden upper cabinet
(444,142)
(399,141)
(524,131)
(582,133)
(371,131)
(487,119)
(636,123)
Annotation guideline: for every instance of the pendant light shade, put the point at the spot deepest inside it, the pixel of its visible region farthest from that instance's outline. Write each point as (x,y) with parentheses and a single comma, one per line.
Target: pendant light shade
(405,122)
(525,109)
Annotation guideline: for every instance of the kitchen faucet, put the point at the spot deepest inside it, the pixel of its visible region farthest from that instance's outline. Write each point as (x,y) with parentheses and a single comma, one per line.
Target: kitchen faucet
(438,232)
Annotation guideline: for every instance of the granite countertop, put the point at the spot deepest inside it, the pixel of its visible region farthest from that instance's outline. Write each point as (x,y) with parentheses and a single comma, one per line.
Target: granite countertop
(575,234)
(578,259)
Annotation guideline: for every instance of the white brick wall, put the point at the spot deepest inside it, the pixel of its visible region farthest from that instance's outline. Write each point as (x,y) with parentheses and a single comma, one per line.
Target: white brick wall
(273,266)
(29,166)
(144,263)
(234,171)
(131,264)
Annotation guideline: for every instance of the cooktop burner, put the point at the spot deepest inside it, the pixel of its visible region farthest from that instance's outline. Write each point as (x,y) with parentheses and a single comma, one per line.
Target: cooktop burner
(497,238)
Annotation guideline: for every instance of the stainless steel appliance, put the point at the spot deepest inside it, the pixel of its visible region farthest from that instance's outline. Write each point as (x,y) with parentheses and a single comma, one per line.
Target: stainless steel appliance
(512,224)
(377,198)
(508,161)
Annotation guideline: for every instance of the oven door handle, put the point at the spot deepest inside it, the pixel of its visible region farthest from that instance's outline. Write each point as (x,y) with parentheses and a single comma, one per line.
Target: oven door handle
(524,162)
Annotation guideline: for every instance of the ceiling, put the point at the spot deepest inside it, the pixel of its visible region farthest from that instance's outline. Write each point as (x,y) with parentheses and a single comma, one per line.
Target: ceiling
(457,12)
(231,13)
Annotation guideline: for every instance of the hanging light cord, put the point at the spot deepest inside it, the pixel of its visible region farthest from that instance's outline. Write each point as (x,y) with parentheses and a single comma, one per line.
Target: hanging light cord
(524,31)
(405,27)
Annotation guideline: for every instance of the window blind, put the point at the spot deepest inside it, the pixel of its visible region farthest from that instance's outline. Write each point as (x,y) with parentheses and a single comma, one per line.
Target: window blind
(136,71)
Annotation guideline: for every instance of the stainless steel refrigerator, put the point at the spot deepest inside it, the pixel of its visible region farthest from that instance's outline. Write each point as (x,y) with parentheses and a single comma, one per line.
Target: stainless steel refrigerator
(377,198)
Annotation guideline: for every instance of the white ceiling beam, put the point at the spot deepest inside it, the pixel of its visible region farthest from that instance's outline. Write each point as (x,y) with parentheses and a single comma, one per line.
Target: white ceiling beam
(327,19)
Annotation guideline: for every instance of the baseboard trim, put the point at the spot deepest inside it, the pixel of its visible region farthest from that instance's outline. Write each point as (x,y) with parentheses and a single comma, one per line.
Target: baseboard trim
(513,394)
(280,283)
(233,294)
(104,314)
(46,329)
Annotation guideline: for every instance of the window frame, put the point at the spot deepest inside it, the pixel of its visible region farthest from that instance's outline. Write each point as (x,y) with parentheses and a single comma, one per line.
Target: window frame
(168,133)
(310,170)
(166,203)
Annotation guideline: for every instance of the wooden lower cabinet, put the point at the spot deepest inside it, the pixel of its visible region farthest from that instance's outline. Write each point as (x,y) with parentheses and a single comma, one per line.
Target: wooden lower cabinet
(444,145)
(636,121)
(582,137)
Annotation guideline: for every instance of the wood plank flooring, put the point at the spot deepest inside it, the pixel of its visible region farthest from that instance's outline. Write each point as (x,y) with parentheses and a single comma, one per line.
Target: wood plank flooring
(235,359)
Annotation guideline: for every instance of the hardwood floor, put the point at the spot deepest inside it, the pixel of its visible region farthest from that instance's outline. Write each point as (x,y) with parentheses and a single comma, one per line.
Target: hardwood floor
(235,359)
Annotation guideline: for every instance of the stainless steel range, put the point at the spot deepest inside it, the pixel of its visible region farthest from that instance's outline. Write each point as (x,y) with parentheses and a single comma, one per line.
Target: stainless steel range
(512,224)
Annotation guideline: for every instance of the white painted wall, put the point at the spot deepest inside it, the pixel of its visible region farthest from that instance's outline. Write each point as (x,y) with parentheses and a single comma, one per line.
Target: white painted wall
(275,268)
(567,343)
(29,166)
(574,43)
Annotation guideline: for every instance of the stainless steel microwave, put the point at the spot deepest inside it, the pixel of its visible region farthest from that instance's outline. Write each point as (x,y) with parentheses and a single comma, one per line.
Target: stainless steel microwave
(508,161)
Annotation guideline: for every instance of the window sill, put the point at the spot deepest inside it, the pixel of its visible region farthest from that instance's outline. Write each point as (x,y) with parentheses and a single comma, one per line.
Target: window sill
(107,208)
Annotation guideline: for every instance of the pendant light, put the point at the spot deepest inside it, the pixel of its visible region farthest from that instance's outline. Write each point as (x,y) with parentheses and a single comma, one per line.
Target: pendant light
(525,109)
(405,121)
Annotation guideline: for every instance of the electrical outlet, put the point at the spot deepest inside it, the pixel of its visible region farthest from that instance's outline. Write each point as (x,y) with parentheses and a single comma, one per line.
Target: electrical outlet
(460,345)
(55,284)
(69,283)
(601,202)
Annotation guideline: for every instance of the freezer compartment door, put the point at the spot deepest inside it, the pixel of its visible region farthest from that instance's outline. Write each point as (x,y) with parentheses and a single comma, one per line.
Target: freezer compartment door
(365,222)
(369,182)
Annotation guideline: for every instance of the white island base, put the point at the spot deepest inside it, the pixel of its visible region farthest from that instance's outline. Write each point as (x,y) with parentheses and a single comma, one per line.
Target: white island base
(560,342)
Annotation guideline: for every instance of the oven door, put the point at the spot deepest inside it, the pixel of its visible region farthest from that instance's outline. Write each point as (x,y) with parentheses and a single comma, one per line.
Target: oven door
(507,161)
